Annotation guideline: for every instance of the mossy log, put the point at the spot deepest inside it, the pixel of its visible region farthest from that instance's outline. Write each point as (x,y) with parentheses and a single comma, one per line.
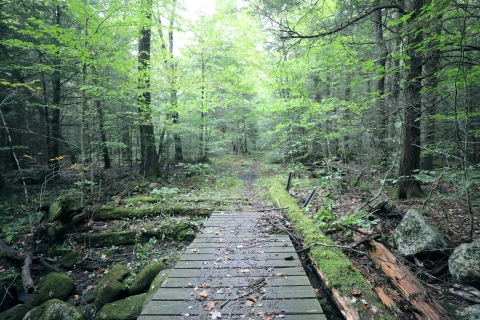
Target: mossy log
(333,267)
(58,229)
(179,231)
(118,213)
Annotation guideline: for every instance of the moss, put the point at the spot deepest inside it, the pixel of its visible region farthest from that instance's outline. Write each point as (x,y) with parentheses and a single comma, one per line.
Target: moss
(112,287)
(125,309)
(64,205)
(55,310)
(145,277)
(71,259)
(155,286)
(330,260)
(118,213)
(16,313)
(54,285)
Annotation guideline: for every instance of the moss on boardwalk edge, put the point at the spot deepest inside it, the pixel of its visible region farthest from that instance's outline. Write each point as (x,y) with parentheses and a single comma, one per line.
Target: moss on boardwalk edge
(338,273)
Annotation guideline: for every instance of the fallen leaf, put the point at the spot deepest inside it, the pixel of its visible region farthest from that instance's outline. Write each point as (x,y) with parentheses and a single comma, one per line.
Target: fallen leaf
(189,285)
(209,305)
(203,294)
(356,293)
(267,318)
(249,303)
(216,315)
(252,299)
(194,250)
(365,307)
(206,285)
(280,274)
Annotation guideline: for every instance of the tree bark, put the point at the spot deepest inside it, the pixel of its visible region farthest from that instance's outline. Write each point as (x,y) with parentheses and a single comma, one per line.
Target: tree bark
(103,135)
(148,155)
(408,186)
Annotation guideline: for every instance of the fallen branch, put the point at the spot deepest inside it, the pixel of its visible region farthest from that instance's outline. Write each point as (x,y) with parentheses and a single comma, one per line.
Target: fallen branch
(28,259)
(460,293)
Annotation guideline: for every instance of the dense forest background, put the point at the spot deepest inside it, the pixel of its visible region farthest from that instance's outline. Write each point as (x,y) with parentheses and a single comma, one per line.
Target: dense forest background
(133,120)
(153,84)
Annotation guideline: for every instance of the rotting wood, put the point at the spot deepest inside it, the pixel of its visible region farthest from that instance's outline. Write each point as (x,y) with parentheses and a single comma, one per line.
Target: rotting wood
(28,259)
(409,286)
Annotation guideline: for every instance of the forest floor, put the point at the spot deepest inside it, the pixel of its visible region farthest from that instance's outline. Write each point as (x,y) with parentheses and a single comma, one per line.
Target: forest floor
(230,181)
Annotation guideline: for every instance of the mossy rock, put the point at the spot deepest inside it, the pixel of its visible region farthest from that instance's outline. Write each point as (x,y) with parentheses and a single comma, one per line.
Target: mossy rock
(330,260)
(63,207)
(55,310)
(112,287)
(54,285)
(15,313)
(125,309)
(156,285)
(145,277)
(70,260)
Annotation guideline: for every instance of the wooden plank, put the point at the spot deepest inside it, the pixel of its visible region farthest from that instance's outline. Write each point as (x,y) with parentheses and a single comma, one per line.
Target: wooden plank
(231,249)
(204,273)
(239,256)
(236,282)
(269,293)
(203,244)
(238,264)
(286,306)
(235,317)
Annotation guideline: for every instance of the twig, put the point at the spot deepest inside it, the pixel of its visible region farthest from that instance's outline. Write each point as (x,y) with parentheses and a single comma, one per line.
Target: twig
(455,293)
(431,191)
(382,184)
(261,284)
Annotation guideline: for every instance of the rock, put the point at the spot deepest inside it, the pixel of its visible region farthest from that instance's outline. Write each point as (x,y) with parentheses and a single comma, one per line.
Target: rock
(145,277)
(470,313)
(153,185)
(54,310)
(464,264)
(70,260)
(156,285)
(414,235)
(112,287)
(87,298)
(16,313)
(65,206)
(55,285)
(125,309)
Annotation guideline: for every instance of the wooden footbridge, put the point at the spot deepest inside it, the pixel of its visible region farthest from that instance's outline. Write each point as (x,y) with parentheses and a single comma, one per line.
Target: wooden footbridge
(234,271)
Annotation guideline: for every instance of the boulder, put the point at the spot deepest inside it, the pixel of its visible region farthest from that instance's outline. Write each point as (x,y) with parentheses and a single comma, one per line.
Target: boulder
(470,313)
(156,285)
(145,277)
(54,310)
(464,264)
(112,287)
(64,207)
(54,285)
(125,309)
(16,313)
(70,260)
(414,236)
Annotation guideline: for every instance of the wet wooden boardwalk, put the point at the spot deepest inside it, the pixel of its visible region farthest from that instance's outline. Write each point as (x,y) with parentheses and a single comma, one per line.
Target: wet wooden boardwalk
(234,271)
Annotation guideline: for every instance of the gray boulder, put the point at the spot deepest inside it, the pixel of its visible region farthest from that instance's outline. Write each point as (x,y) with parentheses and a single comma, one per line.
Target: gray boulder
(464,264)
(470,313)
(53,310)
(414,235)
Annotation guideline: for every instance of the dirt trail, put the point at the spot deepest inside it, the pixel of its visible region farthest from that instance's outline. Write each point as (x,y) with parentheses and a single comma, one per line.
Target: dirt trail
(249,178)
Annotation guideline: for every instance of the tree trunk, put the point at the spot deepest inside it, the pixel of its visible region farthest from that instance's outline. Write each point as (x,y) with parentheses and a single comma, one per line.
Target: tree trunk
(430,97)
(103,135)
(148,156)
(408,186)
(56,100)
(381,64)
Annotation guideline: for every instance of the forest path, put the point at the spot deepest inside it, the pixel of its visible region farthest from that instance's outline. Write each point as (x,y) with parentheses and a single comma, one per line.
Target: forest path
(234,270)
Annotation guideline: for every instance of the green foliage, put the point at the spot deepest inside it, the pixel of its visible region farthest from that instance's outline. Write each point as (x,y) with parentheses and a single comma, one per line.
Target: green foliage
(164,191)
(199,169)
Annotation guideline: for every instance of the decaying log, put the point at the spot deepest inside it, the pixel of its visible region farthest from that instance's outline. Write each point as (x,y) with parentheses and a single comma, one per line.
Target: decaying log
(406,283)
(343,303)
(28,259)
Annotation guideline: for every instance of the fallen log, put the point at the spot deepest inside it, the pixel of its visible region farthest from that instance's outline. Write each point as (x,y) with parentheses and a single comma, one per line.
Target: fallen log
(28,259)
(405,282)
